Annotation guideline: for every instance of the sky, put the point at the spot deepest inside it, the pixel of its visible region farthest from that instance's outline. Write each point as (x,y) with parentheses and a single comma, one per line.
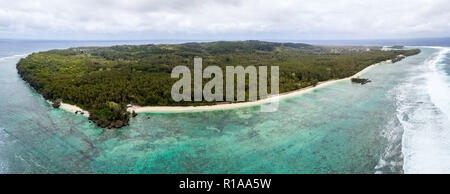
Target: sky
(223,19)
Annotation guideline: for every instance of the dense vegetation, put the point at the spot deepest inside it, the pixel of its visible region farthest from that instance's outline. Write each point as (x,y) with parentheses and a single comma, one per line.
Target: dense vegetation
(103,80)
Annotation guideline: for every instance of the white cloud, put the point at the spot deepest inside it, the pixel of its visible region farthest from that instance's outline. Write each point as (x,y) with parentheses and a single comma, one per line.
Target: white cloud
(269,18)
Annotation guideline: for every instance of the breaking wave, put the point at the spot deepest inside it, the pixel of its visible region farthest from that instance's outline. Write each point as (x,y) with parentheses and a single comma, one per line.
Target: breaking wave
(12,57)
(423,105)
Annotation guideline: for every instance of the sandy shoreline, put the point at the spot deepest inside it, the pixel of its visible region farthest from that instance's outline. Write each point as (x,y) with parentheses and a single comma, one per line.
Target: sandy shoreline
(74,109)
(174,109)
(168,109)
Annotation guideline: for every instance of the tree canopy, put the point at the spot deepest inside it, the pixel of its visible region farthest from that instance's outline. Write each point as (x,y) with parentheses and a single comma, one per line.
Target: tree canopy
(103,80)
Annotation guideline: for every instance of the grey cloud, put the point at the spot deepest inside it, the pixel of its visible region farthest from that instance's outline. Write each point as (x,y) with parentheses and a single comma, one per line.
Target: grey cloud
(300,19)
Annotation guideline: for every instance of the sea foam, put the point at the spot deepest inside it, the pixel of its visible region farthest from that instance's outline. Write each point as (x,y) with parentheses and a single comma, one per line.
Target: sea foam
(12,57)
(439,82)
(423,109)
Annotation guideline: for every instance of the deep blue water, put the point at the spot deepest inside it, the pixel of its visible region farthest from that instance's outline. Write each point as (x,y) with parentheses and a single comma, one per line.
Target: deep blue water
(445,42)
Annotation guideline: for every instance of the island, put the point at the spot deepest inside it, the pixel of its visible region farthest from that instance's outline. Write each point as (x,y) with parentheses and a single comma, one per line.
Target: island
(361,81)
(108,81)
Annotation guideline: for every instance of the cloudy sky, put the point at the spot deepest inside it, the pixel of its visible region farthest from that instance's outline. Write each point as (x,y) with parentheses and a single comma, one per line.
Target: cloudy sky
(223,19)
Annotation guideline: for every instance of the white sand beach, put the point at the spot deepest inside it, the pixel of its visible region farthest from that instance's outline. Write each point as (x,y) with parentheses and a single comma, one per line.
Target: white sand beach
(74,109)
(168,109)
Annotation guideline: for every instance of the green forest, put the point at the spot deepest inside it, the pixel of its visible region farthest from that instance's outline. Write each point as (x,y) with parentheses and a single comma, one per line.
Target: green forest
(103,80)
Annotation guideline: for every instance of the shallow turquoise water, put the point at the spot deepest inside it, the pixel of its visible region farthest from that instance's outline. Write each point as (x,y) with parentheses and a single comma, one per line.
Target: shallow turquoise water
(341,128)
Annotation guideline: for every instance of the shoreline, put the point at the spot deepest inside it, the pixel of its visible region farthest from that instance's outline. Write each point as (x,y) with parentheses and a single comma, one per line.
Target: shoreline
(73,109)
(178,109)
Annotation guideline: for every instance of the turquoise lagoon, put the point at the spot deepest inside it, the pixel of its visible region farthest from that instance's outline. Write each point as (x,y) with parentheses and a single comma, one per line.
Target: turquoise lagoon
(340,128)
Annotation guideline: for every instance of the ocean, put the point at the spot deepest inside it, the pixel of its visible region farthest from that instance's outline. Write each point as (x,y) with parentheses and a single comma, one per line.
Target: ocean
(399,123)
